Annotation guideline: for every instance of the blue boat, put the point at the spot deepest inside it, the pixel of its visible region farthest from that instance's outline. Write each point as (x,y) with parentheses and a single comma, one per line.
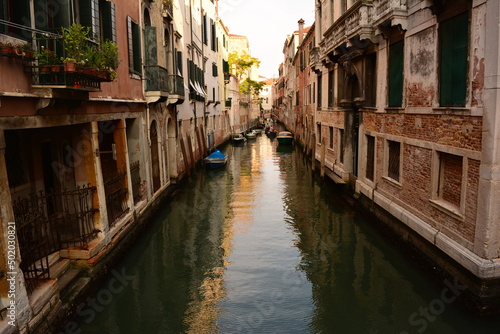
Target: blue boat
(216,159)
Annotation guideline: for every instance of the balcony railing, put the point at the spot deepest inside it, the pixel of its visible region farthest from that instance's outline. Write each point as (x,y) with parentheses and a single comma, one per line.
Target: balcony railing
(116,197)
(392,10)
(158,80)
(56,76)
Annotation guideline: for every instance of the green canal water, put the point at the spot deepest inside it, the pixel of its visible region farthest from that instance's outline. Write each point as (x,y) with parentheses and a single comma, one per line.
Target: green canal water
(263,246)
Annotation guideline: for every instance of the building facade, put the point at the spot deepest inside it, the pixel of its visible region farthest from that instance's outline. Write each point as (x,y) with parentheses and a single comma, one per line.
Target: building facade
(87,149)
(405,115)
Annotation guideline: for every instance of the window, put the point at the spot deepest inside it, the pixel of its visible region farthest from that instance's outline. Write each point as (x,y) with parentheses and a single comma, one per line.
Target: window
(319,90)
(393,165)
(179,63)
(453,34)
(450,178)
(204,31)
(89,17)
(341,145)
(215,70)
(314,95)
(213,35)
(15,11)
(370,157)
(331,137)
(396,56)
(134,47)
(108,12)
(319,132)
(297,98)
(331,82)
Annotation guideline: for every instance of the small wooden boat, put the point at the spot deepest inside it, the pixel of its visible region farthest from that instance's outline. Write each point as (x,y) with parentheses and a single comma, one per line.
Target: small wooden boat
(285,138)
(216,159)
(257,131)
(238,138)
(251,135)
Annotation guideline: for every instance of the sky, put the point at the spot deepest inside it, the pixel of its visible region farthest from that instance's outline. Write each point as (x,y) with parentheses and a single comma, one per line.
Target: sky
(266,23)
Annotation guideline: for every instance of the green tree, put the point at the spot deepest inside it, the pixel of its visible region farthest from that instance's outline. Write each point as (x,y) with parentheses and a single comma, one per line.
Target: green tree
(240,64)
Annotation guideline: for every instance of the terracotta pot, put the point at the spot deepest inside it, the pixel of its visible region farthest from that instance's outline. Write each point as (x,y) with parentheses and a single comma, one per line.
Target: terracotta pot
(5,49)
(70,66)
(56,68)
(44,68)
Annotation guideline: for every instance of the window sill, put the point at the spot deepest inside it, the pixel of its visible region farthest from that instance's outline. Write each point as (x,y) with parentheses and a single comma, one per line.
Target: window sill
(448,208)
(394,110)
(393,182)
(135,76)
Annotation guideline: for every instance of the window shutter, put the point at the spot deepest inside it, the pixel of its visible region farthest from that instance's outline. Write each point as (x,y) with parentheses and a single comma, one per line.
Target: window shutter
(89,17)
(136,36)
(225,66)
(151,51)
(453,65)
(130,44)
(109,21)
(179,63)
(396,56)
(215,70)
(212,24)
(205,37)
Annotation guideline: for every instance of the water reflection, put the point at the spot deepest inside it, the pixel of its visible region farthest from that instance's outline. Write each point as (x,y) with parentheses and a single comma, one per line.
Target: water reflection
(262,246)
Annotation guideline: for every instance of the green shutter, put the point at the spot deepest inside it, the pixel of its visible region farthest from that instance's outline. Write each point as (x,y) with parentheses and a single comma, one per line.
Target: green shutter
(108,11)
(136,37)
(396,61)
(179,63)
(225,66)
(89,17)
(454,36)
(130,44)
(151,51)
(205,37)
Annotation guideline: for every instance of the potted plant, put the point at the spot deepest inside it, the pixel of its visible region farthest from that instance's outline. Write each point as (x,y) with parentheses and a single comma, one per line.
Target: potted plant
(107,59)
(76,42)
(27,50)
(5,47)
(46,58)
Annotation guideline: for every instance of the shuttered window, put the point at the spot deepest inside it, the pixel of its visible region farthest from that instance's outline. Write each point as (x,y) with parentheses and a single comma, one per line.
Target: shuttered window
(213,35)
(134,47)
(150,49)
(108,11)
(396,56)
(454,38)
(89,17)
(225,66)
(205,30)
(215,70)
(179,63)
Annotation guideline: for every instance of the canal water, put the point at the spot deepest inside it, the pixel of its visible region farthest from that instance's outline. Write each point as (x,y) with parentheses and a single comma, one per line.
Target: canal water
(264,246)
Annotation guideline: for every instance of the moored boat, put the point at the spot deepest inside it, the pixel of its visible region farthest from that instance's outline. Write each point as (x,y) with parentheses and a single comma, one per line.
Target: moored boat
(285,138)
(238,138)
(216,159)
(251,135)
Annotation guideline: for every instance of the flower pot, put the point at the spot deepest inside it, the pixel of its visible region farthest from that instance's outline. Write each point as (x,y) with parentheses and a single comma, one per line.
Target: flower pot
(45,68)
(56,68)
(70,66)
(5,49)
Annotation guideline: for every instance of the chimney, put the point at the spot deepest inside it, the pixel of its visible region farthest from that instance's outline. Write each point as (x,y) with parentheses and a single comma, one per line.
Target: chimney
(301,31)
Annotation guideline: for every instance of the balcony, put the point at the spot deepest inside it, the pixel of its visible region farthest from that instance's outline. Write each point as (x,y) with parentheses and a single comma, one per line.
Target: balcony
(394,11)
(161,86)
(356,21)
(60,78)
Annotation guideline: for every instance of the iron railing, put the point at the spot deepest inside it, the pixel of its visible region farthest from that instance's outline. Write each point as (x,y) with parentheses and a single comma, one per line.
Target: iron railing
(49,222)
(56,76)
(158,79)
(116,197)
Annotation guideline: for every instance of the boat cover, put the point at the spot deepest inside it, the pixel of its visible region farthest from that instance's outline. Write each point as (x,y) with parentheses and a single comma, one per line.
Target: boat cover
(216,155)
